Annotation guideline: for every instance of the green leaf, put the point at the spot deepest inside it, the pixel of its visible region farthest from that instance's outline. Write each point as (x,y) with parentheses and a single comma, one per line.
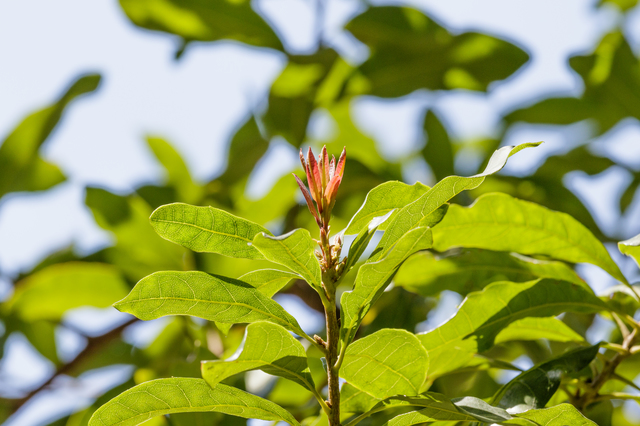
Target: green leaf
(611,87)
(207,229)
(480,410)
(268,347)
(383,199)
(437,407)
(409,51)
(559,415)
(293,94)
(385,363)
(354,400)
(178,175)
(21,167)
(51,292)
(410,215)
(550,328)
(484,314)
(438,153)
(361,241)
(268,281)
(294,250)
(214,298)
(471,270)
(245,150)
(500,222)
(631,247)
(535,387)
(184,395)
(374,277)
(201,20)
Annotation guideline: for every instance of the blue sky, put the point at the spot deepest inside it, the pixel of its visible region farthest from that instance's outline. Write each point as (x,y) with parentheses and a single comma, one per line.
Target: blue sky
(197,103)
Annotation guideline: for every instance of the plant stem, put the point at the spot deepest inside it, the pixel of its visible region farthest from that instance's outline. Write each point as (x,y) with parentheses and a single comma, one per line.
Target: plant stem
(333,340)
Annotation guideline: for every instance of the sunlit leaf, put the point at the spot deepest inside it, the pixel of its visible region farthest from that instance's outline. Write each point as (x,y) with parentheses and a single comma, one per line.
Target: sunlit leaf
(410,215)
(268,281)
(485,313)
(268,347)
(183,395)
(409,51)
(354,400)
(51,292)
(198,294)
(201,20)
(559,415)
(374,277)
(207,229)
(381,200)
(294,250)
(21,167)
(471,269)
(631,247)
(385,363)
(535,387)
(531,328)
(502,223)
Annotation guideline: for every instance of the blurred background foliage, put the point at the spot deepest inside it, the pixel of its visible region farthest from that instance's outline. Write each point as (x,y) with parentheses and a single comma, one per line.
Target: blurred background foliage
(409,52)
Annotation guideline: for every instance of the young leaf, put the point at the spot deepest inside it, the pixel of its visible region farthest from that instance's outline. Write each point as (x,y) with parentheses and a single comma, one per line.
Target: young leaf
(500,222)
(484,314)
(383,199)
(268,347)
(631,247)
(410,215)
(207,229)
(212,297)
(532,328)
(559,415)
(268,281)
(535,387)
(471,270)
(385,363)
(183,395)
(374,277)
(294,250)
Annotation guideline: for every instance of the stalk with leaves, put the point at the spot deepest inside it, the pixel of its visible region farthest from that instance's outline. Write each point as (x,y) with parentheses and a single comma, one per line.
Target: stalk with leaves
(391,375)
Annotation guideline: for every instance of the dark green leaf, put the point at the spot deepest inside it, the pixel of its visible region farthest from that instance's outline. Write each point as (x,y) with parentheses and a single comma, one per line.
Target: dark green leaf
(535,387)
(182,395)
(207,229)
(245,150)
(438,153)
(409,51)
